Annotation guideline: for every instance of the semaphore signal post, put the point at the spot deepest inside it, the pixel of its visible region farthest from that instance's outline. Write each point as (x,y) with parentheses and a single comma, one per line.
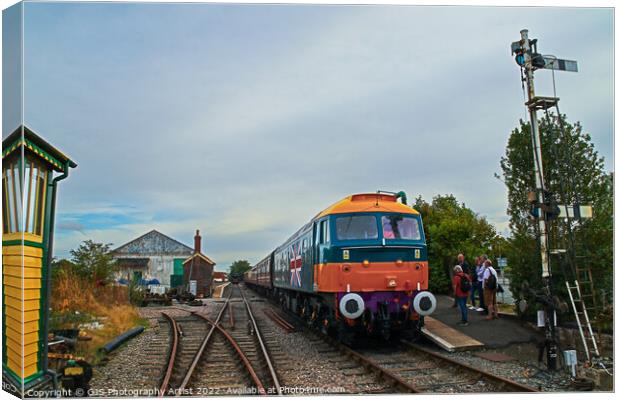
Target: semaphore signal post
(528,58)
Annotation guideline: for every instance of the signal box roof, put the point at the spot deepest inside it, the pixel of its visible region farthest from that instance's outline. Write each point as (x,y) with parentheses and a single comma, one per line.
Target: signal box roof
(33,143)
(368,202)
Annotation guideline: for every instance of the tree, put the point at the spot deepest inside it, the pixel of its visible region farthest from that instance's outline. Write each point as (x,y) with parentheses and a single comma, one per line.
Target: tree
(94,261)
(238,268)
(452,228)
(575,174)
(61,267)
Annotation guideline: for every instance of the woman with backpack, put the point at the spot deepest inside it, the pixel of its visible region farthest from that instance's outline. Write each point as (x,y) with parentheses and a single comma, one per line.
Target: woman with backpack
(489,280)
(461,283)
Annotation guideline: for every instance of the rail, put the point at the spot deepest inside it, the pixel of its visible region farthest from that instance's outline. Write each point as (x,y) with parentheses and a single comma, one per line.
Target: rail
(266,356)
(203,346)
(248,365)
(171,355)
(279,321)
(508,383)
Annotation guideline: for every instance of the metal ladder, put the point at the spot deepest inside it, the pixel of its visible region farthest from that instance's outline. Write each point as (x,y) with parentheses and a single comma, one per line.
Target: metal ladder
(586,287)
(583,321)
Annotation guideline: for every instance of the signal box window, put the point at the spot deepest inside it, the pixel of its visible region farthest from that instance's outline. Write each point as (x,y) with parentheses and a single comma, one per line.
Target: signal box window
(32,184)
(357,227)
(400,227)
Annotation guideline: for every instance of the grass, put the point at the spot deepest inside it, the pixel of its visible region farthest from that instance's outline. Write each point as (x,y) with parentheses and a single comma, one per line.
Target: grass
(77,301)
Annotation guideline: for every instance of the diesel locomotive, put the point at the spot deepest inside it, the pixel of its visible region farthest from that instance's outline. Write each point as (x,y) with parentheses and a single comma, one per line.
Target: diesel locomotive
(358,267)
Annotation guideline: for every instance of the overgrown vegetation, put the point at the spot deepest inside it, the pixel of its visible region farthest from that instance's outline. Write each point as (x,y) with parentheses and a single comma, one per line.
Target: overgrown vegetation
(82,297)
(574,172)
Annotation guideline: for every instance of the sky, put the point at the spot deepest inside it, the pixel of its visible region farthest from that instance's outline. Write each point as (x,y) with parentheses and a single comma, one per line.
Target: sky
(244,121)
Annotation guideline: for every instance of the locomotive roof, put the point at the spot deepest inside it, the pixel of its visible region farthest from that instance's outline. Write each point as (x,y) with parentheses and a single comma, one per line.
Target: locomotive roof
(367,202)
(361,202)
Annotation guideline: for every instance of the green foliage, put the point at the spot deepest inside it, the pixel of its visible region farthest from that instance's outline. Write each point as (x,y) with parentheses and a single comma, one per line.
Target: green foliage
(93,261)
(238,268)
(136,292)
(61,267)
(574,172)
(452,228)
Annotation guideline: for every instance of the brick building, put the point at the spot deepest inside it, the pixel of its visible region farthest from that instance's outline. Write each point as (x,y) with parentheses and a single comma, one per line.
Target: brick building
(198,271)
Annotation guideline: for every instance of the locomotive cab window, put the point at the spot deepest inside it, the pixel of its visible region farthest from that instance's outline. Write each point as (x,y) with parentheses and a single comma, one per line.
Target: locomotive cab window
(356,227)
(398,226)
(323,232)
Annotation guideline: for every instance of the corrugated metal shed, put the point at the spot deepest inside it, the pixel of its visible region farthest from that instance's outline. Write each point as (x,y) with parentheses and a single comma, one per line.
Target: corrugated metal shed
(161,251)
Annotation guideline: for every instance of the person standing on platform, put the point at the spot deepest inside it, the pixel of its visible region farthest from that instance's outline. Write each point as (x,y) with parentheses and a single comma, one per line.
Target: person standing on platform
(463,264)
(489,280)
(464,267)
(480,272)
(476,286)
(461,284)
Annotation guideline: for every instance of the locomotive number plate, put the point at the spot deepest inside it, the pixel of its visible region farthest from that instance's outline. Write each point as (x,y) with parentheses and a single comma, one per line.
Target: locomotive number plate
(417,253)
(345,254)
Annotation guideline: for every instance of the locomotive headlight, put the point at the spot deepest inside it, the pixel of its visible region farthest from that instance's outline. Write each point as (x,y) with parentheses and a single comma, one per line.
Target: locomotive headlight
(351,305)
(424,303)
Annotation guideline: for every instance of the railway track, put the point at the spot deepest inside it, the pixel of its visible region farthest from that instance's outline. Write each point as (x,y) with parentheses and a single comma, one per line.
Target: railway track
(406,367)
(223,355)
(430,372)
(187,337)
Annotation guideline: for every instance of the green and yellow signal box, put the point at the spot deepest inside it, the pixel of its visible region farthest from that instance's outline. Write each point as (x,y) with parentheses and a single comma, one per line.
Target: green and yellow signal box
(31,170)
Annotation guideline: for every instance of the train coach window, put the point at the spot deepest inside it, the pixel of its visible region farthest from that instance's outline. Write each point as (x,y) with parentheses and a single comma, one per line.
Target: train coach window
(356,227)
(400,227)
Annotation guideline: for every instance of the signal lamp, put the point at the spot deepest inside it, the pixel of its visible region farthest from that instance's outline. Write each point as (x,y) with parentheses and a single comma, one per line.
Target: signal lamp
(520,59)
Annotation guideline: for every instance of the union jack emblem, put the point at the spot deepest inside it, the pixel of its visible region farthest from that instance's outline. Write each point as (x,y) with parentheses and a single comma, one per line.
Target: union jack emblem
(295,266)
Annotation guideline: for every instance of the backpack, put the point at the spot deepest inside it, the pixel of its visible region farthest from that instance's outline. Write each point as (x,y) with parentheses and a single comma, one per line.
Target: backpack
(492,282)
(465,284)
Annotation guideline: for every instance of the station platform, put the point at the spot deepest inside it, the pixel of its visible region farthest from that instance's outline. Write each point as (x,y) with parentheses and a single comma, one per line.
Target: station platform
(442,329)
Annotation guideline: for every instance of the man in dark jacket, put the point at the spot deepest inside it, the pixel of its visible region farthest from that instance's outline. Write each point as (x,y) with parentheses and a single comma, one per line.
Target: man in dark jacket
(464,267)
(463,264)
